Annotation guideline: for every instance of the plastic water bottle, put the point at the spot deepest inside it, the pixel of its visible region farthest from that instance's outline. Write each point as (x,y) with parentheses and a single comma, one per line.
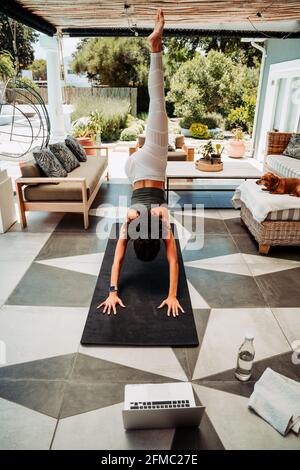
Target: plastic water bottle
(245,359)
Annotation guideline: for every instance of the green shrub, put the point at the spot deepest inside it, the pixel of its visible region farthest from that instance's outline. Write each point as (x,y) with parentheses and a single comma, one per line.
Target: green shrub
(213,120)
(187,121)
(130,133)
(6,66)
(114,114)
(198,130)
(243,116)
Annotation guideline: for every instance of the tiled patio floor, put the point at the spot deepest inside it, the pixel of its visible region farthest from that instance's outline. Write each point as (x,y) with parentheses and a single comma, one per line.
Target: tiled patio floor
(56,394)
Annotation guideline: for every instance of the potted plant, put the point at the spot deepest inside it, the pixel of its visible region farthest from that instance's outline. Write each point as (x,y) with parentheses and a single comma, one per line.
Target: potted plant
(211,157)
(88,131)
(236,146)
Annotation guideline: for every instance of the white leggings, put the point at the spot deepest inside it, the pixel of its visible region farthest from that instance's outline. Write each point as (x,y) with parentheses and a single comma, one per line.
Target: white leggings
(150,161)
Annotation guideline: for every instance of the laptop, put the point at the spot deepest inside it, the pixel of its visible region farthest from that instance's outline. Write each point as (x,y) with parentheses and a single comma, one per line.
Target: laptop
(154,406)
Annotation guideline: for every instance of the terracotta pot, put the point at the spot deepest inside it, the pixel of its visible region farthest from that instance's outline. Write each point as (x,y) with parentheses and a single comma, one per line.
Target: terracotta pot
(236,148)
(87,142)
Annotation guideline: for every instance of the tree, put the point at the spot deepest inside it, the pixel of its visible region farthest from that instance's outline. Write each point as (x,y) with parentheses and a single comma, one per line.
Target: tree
(211,84)
(39,69)
(113,61)
(25,37)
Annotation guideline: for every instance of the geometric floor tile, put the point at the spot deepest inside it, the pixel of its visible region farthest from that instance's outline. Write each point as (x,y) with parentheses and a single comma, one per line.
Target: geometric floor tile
(31,333)
(188,356)
(50,286)
(61,245)
(281,289)
(264,265)
(229,264)
(196,299)
(289,321)
(42,396)
(86,264)
(214,245)
(21,246)
(225,333)
(225,290)
(229,214)
(160,361)
(103,429)
(227,382)
(24,429)
(240,428)
(96,383)
(11,273)
(204,437)
(111,212)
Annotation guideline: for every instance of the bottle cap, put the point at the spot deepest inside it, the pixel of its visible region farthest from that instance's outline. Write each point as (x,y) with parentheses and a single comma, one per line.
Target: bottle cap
(249,336)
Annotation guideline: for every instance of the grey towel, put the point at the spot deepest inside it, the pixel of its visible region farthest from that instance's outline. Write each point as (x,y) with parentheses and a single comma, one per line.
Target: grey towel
(276,399)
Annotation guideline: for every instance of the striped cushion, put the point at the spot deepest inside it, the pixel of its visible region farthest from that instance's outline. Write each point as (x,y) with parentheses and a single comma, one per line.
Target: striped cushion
(286,167)
(287,214)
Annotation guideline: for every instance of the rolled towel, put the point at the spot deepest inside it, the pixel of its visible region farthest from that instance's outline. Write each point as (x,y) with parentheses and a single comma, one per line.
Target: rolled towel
(276,399)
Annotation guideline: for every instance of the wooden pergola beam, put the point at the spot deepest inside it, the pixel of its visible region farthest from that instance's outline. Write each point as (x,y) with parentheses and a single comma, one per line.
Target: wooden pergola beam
(14,10)
(173,32)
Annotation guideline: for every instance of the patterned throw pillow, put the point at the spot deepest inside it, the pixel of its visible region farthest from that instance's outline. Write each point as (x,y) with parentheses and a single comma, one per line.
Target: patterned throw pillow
(49,163)
(293,147)
(65,156)
(76,148)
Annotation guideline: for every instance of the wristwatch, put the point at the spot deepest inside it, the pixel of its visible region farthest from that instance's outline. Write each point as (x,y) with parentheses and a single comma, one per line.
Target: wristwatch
(113,289)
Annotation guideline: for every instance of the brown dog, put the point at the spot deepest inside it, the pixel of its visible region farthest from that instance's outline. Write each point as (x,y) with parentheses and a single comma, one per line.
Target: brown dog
(276,185)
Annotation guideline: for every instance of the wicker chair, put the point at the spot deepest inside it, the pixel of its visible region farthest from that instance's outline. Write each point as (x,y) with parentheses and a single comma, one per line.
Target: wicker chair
(272,232)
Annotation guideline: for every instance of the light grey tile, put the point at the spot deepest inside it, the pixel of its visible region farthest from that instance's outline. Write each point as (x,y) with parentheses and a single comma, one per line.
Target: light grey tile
(34,332)
(21,246)
(103,430)
(238,427)
(24,429)
(225,333)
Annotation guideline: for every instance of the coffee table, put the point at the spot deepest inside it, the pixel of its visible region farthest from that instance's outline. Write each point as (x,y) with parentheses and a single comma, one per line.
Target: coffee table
(235,170)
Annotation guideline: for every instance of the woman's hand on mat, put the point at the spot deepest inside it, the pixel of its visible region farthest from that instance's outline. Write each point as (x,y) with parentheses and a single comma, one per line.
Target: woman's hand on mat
(110,304)
(173,305)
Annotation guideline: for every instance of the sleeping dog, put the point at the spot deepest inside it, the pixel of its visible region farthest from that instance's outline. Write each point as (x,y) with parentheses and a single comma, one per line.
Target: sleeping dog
(276,185)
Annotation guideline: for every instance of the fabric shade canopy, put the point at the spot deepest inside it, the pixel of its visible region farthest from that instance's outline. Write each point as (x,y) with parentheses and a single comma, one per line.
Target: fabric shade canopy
(252,18)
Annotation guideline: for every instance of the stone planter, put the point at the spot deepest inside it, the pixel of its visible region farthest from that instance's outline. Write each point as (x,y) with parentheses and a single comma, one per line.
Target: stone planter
(87,142)
(236,148)
(185,132)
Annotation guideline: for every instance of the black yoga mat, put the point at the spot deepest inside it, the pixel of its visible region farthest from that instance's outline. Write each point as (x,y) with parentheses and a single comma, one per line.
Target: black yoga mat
(142,287)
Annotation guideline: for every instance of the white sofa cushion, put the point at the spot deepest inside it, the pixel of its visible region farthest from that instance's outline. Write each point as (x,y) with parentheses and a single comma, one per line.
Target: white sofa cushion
(286,167)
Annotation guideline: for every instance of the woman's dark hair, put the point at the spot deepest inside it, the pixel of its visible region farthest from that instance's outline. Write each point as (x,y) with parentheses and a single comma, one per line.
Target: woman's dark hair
(147,246)
(146,249)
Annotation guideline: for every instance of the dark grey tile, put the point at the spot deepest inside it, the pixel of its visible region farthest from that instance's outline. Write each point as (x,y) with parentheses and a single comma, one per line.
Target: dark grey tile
(203,438)
(44,396)
(235,227)
(225,290)
(109,193)
(247,244)
(213,245)
(83,397)
(281,289)
(60,245)
(53,368)
(73,223)
(49,286)
(210,226)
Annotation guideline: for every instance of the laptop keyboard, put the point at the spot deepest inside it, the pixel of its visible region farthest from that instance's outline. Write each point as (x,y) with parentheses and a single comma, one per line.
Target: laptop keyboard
(154,405)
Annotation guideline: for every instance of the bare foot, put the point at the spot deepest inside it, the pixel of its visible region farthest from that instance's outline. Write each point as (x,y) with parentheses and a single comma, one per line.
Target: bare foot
(155,37)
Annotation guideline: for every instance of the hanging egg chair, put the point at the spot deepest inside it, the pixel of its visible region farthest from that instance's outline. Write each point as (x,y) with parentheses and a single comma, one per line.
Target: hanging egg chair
(24,119)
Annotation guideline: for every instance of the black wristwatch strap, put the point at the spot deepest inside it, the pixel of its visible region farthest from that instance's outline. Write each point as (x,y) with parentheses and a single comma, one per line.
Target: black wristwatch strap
(113,289)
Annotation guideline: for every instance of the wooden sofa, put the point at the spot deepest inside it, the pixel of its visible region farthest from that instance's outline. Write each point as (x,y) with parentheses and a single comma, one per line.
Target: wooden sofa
(74,193)
(182,151)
